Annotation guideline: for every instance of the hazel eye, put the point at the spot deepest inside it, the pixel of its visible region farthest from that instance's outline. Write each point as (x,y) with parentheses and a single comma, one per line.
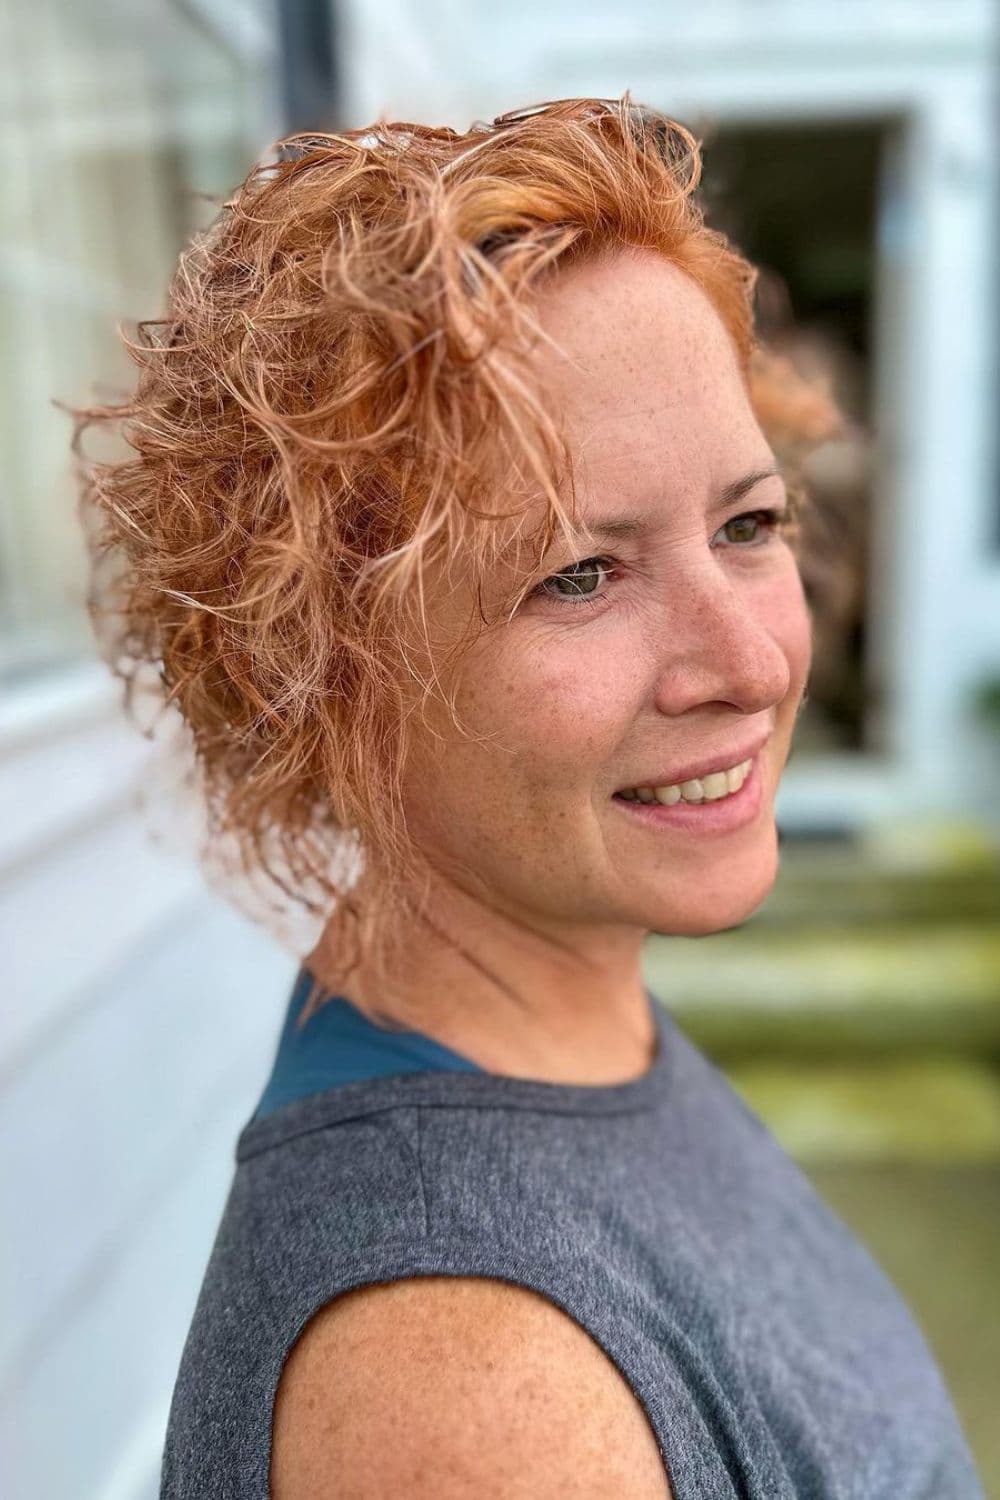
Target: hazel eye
(770,520)
(581,579)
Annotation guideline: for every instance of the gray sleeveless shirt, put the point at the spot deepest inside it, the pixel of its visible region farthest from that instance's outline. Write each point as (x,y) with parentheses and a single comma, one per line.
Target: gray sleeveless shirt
(772,1356)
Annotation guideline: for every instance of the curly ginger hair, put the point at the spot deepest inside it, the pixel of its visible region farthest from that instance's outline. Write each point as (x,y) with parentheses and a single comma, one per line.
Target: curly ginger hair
(337,400)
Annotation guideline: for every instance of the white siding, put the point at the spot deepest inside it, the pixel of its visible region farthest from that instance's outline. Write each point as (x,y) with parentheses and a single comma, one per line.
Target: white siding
(141,1019)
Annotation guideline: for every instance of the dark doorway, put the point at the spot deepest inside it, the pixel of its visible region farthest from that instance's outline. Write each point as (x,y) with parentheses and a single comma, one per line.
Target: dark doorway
(800,200)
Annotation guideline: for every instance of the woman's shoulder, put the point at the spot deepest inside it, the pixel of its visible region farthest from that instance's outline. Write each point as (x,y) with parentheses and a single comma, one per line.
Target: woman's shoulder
(450,1386)
(342,1260)
(364,1232)
(668,1237)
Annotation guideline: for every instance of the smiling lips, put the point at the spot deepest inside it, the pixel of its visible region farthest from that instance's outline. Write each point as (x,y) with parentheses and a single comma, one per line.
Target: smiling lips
(694,783)
(710,788)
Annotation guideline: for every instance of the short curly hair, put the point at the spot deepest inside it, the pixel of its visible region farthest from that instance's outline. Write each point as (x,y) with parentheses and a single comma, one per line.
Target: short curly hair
(338,398)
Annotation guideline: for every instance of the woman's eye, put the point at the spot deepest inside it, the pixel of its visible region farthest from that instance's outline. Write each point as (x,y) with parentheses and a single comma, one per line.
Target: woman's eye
(580,579)
(770,520)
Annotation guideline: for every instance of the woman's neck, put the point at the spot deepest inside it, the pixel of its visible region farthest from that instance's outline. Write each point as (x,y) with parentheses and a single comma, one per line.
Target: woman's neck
(565,1007)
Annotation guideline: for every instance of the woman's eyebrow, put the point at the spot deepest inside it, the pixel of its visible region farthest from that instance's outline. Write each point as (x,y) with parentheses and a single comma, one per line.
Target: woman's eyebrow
(625,526)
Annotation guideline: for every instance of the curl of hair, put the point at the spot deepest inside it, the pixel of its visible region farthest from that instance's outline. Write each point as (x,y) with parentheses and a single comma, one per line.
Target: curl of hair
(338,399)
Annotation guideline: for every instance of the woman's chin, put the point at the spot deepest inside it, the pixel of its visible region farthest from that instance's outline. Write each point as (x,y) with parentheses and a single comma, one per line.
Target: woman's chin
(714,904)
(681,924)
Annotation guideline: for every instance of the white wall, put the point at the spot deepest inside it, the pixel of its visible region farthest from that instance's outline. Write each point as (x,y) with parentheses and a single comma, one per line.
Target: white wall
(140,1010)
(141,1019)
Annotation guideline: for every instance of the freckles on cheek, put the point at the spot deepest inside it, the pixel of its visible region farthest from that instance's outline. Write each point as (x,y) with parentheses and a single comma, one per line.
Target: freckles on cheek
(565,722)
(558,702)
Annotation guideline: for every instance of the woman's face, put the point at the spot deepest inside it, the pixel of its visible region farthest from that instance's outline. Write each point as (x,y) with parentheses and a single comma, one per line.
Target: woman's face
(687,644)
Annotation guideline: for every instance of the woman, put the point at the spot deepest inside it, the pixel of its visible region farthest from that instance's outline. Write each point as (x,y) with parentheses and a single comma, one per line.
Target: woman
(455,532)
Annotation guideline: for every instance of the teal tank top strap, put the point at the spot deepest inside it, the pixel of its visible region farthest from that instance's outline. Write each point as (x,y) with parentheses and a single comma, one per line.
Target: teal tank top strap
(339,1044)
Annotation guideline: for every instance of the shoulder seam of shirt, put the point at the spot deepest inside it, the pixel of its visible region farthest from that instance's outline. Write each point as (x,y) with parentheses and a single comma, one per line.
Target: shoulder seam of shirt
(420,1170)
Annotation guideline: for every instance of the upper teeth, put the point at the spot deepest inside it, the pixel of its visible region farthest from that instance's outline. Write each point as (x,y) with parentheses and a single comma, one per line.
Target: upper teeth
(698,789)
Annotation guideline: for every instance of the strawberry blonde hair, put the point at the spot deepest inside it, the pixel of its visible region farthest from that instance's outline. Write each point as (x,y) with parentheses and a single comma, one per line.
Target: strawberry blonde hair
(337,400)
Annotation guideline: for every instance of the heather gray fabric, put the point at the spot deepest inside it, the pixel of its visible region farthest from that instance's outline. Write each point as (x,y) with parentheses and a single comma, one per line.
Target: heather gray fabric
(773,1357)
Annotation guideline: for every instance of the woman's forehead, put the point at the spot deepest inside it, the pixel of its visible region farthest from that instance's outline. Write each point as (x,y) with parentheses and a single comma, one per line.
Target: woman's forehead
(635,360)
(619,309)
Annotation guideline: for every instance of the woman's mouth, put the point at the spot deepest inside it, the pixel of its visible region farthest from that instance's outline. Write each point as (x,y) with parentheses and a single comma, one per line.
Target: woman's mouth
(721,814)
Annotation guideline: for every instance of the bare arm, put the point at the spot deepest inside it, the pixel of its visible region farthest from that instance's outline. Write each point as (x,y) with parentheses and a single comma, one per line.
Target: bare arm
(449,1388)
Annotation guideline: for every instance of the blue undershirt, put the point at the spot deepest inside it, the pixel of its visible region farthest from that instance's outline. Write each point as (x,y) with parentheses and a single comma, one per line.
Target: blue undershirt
(339,1044)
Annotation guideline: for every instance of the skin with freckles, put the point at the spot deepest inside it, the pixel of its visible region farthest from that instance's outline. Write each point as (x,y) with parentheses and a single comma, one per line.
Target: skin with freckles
(687,639)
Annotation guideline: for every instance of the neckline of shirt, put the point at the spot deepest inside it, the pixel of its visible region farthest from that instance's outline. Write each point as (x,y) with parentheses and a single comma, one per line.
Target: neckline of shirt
(479,1089)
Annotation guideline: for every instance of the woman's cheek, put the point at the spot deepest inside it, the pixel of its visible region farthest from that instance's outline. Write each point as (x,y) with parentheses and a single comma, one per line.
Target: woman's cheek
(778,604)
(571,714)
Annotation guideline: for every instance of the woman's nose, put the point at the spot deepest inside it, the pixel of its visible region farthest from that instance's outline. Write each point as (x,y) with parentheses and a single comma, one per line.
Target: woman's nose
(722,650)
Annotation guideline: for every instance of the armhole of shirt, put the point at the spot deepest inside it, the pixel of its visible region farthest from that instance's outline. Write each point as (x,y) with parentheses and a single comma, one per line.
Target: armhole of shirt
(688,1453)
